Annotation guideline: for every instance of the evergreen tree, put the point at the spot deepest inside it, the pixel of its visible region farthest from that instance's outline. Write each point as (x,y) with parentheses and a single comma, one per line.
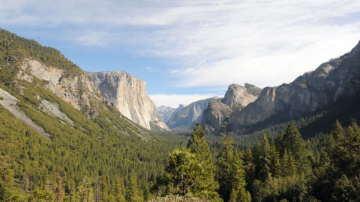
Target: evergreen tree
(233,196)
(295,145)
(118,191)
(59,191)
(4,192)
(184,172)
(198,146)
(72,191)
(338,131)
(85,191)
(288,166)
(97,191)
(132,192)
(275,162)
(237,181)
(264,159)
(104,189)
(225,160)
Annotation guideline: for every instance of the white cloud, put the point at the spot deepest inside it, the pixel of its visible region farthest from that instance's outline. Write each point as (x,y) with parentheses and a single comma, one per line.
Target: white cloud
(216,42)
(174,71)
(150,69)
(174,100)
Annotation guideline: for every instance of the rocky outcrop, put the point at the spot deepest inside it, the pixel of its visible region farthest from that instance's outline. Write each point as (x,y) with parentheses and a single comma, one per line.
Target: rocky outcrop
(10,103)
(236,98)
(166,112)
(186,118)
(337,78)
(214,116)
(77,90)
(237,95)
(128,94)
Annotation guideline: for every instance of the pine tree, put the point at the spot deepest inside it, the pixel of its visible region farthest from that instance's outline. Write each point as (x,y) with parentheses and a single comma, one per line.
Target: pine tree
(85,191)
(184,172)
(275,162)
(97,190)
(291,165)
(104,189)
(237,174)
(225,159)
(249,168)
(295,145)
(132,193)
(72,191)
(198,146)
(4,192)
(288,164)
(264,159)
(59,191)
(233,196)
(338,131)
(118,191)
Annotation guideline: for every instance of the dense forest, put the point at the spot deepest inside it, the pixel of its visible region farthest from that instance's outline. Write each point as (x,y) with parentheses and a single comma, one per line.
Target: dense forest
(299,160)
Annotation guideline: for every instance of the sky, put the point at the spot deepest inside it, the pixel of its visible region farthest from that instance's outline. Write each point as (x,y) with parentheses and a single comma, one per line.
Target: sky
(187,50)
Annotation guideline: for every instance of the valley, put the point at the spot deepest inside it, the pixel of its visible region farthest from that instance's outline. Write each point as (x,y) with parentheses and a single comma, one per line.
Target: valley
(71,135)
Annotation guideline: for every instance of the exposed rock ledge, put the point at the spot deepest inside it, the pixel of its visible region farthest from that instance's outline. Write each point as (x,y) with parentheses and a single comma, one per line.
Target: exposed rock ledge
(128,94)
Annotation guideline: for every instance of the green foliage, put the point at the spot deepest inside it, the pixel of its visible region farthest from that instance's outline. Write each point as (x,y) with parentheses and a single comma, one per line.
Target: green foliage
(95,155)
(14,48)
(4,192)
(118,193)
(184,172)
(207,184)
(264,159)
(132,192)
(231,172)
(178,198)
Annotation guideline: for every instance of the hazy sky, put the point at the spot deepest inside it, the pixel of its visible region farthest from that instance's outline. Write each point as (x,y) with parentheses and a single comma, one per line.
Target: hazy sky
(188,50)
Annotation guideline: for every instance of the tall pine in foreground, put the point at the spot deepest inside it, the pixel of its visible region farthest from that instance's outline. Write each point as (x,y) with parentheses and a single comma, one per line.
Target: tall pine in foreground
(225,159)
(207,185)
(264,159)
(231,171)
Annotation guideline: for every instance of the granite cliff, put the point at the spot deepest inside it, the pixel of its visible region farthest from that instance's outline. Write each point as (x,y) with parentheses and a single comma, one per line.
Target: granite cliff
(237,95)
(76,90)
(215,115)
(128,94)
(236,98)
(314,90)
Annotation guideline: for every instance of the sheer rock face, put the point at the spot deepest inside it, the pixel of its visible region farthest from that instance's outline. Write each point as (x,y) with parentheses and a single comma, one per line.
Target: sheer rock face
(128,94)
(332,80)
(236,98)
(215,115)
(166,112)
(237,95)
(76,90)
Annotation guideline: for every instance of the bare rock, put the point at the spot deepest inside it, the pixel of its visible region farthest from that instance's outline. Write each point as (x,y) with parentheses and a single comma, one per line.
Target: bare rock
(237,95)
(215,115)
(332,80)
(78,90)
(128,94)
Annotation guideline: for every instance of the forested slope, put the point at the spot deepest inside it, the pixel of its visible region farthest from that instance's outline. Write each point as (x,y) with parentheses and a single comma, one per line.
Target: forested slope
(99,143)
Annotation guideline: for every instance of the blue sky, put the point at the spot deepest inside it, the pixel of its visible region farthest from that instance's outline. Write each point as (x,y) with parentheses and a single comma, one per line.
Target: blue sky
(188,50)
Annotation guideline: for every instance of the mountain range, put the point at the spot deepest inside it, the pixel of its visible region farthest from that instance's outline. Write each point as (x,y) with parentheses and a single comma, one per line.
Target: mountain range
(186,118)
(241,107)
(167,112)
